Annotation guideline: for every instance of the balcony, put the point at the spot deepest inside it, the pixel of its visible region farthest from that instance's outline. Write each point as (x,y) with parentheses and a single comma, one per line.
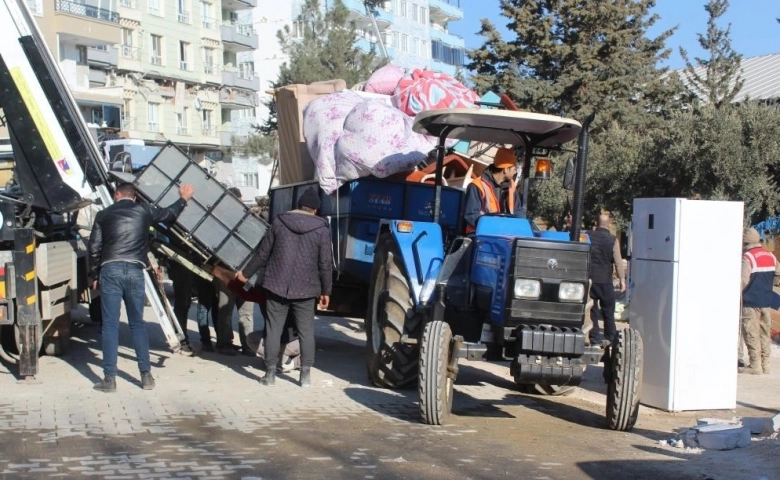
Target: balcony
(232,77)
(86,24)
(438,33)
(237,99)
(238,38)
(443,11)
(233,5)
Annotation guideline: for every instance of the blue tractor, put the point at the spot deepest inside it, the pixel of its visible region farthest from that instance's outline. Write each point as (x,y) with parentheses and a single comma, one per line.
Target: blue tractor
(507,292)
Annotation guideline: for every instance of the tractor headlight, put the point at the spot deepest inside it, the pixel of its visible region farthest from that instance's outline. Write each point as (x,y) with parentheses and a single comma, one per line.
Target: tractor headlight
(571,292)
(527,289)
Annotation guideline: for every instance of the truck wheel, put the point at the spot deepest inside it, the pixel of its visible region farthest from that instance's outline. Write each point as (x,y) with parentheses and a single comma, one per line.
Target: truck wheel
(623,368)
(436,380)
(542,389)
(390,315)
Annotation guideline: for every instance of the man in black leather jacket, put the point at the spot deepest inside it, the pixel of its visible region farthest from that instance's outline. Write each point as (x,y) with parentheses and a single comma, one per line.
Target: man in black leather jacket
(118,254)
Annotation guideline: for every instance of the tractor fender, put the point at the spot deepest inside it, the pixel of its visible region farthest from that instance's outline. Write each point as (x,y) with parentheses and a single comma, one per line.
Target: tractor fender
(421,245)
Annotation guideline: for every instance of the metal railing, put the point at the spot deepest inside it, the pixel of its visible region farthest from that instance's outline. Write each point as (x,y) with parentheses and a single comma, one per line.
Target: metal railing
(155,60)
(209,131)
(84,10)
(184,17)
(184,65)
(210,68)
(127,3)
(130,52)
(208,22)
(154,127)
(182,130)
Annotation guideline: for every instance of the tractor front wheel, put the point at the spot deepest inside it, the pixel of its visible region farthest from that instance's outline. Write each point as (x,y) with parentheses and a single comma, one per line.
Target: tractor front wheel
(437,378)
(623,372)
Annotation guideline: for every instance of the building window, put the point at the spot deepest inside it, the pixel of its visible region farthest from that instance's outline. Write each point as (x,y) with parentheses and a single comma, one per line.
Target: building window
(446,54)
(155,7)
(35,7)
(404,42)
(182,14)
(415,13)
(82,52)
(182,122)
(156,49)
(246,70)
(249,180)
(424,51)
(247,113)
(184,55)
(396,40)
(153,114)
(298,29)
(208,122)
(205,11)
(415,46)
(423,15)
(208,61)
(128,48)
(402,8)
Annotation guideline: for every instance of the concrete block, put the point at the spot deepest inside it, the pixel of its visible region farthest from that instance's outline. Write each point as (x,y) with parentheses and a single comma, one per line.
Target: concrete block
(758,425)
(723,437)
(689,438)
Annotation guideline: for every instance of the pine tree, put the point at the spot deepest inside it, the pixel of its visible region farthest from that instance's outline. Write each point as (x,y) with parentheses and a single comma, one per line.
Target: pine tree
(322,47)
(573,57)
(716,80)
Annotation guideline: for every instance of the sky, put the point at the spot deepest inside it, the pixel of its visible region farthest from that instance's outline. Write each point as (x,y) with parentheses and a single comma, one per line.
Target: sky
(754,30)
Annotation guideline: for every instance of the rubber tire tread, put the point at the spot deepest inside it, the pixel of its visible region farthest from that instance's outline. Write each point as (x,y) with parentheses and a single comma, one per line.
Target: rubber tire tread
(434,386)
(394,365)
(625,387)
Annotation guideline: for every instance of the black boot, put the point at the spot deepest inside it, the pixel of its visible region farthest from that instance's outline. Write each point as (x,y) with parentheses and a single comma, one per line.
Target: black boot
(306,377)
(269,380)
(108,384)
(147,381)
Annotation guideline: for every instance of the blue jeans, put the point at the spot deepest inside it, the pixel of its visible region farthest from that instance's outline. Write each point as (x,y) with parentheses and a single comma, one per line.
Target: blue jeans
(123,281)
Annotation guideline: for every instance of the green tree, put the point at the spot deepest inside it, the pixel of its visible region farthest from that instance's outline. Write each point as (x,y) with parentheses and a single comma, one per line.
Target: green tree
(716,80)
(573,57)
(322,47)
(254,145)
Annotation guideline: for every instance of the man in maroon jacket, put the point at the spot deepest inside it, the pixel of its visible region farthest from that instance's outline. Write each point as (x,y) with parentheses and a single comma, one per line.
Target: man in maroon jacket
(295,256)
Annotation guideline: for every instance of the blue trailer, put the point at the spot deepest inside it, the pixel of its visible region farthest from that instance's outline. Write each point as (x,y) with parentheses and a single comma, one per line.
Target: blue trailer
(356,212)
(507,292)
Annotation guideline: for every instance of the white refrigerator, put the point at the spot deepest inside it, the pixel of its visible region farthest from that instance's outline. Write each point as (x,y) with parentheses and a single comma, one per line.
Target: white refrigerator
(685,300)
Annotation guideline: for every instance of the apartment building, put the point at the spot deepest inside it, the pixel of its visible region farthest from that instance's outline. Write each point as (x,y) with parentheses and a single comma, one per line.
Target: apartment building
(158,70)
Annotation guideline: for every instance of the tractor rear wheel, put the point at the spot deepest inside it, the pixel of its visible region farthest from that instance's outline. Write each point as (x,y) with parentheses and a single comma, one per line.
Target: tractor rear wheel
(623,372)
(390,316)
(436,380)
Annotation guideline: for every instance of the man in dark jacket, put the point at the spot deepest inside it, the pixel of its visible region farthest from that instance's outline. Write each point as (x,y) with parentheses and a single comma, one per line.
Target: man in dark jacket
(118,254)
(604,256)
(296,258)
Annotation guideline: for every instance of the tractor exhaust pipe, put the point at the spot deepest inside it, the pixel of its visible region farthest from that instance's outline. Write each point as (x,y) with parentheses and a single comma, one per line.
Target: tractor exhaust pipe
(579,179)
